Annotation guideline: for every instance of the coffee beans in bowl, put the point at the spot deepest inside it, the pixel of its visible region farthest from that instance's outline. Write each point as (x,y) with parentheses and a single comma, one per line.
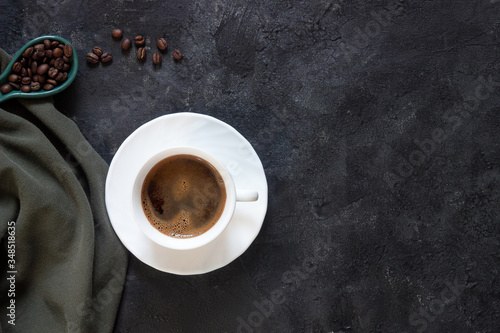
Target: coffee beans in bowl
(41,66)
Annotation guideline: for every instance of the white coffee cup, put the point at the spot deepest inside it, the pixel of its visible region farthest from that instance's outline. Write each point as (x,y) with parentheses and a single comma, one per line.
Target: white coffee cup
(232,196)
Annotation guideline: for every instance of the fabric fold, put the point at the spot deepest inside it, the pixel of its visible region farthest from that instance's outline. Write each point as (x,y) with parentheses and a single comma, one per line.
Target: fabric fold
(69,265)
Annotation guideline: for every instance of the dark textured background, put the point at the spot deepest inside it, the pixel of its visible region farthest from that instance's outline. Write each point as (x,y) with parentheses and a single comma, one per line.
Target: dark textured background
(379,134)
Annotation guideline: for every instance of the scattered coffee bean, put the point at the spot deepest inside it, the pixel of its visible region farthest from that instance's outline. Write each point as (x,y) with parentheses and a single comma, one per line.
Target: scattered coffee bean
(97,51)
(177,55)
(6,88)
(17,67)
(106,57)
(92,58)
(156,58)
(57,52)
(48,86)
(141,54)
(68,50)
(139,40)
(162,44)
(36,86)
(117,33)
(26,89)
(126,44)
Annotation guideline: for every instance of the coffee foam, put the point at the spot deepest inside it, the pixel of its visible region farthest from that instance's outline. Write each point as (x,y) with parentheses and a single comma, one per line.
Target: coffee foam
(183,196)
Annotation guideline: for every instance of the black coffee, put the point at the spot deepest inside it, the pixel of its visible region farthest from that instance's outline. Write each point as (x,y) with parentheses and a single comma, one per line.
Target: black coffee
(183,196)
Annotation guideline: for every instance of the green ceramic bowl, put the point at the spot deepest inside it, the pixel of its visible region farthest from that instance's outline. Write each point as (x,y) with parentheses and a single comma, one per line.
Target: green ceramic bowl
(38,94)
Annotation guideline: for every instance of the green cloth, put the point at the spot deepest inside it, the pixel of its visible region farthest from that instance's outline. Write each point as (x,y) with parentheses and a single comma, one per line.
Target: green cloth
(70,264)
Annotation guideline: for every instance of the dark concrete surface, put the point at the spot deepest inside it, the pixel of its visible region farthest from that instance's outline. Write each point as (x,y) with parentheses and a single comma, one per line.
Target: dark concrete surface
(378,126)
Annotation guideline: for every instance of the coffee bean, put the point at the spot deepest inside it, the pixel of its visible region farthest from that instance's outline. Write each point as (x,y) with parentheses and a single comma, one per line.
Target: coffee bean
(162,44)
(141,54)
(40,53)
(26,89)
(52,73)
(57,53)
(23,62)
(97,51)
(139,40)
(16,67)
(36,86)
(30,73)
(47,43)
(66,67)
(5,89)
(28,52)
(106,57)
(92,58)
(49,54)
(117,33)
(26,80)
(36,57)
(14,78)
(54,44)
(39,47)
(24,72)
(156,58)
(177,55)
(126,44)
(65,77)
(68,50)
(39,78)
(42,69)
(59,63)
(52,61)
(66,59)
(48,86)
(15,86)
(59,76)
(52,82)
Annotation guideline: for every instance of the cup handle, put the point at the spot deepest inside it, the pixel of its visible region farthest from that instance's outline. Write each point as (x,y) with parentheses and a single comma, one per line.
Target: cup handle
(246,195)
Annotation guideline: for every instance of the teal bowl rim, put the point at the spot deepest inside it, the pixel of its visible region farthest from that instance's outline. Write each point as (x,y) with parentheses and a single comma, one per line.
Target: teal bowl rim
(38,94)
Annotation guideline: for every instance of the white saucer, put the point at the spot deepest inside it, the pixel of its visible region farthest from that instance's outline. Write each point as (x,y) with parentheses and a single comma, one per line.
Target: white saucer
(225,144)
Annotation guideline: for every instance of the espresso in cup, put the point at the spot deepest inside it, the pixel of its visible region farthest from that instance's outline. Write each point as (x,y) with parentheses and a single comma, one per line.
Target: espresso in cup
(183,196)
